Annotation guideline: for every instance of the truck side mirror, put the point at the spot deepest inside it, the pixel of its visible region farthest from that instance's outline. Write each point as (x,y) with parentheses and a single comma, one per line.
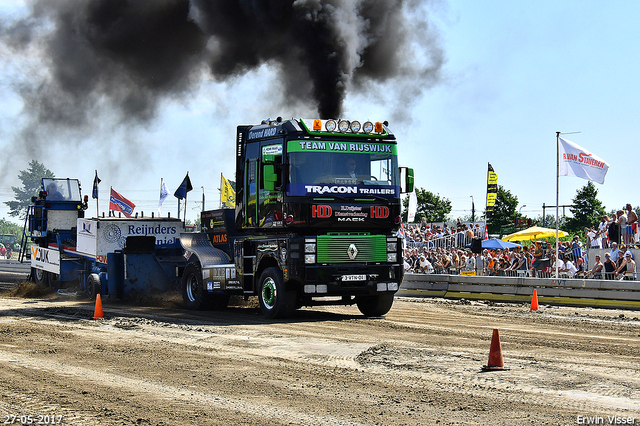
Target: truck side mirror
(406,180)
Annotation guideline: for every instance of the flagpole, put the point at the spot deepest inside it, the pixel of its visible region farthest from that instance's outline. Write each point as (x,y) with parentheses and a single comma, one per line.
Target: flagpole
(184,220)
(160,205)
(221,189)
(557,260)
(97,203)
(486,213)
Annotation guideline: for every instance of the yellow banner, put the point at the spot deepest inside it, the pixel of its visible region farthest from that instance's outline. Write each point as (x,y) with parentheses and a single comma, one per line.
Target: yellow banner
(492,179)
(492,188)
(467,272)
(227,194)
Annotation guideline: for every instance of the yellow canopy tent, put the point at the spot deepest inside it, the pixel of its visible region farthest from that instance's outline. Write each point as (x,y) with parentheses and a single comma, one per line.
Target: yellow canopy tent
(533,233)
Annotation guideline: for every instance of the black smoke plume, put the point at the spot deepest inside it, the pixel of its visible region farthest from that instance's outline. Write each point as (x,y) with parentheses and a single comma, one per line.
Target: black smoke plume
(129,55)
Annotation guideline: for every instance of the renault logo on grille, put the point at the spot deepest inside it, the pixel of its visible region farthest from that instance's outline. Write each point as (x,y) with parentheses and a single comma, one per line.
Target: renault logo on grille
(352,251)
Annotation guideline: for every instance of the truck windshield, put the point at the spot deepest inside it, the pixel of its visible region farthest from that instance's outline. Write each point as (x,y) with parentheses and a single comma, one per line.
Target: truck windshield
(342,168)
(62,189)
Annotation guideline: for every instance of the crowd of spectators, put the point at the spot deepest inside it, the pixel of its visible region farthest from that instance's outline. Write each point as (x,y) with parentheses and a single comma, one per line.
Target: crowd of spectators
(442,249)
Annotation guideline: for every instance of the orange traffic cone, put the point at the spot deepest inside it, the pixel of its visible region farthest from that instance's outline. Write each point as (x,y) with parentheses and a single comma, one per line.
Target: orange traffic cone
(534,301)
(495,354)
(98,314)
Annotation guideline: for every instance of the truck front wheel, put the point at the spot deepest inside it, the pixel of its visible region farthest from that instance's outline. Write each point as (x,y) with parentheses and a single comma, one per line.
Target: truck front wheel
(275,300)
(193,295)
(375,306)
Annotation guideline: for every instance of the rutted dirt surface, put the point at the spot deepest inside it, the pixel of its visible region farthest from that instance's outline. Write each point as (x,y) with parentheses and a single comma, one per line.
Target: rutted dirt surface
(419,365)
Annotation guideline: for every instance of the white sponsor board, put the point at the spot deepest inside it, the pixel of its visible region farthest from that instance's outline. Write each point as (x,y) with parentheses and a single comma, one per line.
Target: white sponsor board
(99,237)
(45,259)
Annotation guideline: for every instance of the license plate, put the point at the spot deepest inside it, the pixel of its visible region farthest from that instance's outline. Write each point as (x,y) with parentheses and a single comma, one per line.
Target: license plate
(354,278)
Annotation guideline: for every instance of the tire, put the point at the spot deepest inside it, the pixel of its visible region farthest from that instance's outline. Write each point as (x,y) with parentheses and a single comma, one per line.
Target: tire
(94,286)
(40,277)
(275,300)
(193,295)
(375,306)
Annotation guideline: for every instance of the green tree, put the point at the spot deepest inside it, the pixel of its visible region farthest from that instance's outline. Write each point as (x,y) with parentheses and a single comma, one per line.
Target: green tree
(586,209)
(430,206)
(550,221)
(31,184)
(504,211)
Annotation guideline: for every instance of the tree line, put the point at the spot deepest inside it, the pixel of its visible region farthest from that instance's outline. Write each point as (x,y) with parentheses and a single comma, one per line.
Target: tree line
(585,208)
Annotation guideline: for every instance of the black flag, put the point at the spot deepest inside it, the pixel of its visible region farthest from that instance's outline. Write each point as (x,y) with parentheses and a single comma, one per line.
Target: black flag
(96,181)
(184,187)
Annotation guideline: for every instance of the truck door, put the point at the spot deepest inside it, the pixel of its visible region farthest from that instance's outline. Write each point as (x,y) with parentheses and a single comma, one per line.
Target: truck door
(270,194)
(251,193)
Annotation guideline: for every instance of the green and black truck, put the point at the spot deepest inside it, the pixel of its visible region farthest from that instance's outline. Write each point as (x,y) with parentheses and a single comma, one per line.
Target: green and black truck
(315,222)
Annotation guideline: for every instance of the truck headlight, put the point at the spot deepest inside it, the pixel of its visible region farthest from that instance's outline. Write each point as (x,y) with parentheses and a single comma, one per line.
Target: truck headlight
(309,247)
(392,257)
(309,258)
(392,247)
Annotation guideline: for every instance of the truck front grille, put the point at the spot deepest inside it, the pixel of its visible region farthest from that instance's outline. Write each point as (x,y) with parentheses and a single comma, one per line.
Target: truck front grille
(351,248)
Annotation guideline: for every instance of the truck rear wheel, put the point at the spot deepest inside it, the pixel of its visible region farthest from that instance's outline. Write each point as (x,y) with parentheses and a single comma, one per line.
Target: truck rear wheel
(275,300)
(193,295)
(93,286)
(375,306)
(40,277)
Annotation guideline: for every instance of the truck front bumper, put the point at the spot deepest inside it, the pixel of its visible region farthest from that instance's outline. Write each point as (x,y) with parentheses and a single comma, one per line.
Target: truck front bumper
(327,280)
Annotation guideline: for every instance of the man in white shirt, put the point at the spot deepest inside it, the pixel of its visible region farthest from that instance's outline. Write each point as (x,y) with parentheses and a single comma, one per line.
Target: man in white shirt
(425,265)
(594,237)
(471,263)
(602,229)
(567,267)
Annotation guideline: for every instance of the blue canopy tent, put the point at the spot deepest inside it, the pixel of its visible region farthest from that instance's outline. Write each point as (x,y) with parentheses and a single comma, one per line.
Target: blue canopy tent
(493,244)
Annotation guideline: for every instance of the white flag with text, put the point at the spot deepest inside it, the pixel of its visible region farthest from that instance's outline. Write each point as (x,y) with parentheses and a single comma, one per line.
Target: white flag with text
(413,207)
(163,194)
(577,161)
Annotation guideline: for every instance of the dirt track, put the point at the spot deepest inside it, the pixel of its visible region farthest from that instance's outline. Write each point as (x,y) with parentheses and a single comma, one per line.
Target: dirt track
(421,364)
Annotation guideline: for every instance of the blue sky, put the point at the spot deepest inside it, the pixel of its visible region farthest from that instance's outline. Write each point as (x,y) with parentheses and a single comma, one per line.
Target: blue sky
(515,73)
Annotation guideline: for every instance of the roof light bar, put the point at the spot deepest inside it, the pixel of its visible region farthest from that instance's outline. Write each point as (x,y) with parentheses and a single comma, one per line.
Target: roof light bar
(346,126)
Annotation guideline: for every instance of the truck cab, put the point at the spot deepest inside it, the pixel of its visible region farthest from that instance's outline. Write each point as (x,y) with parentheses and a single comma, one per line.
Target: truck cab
(317,209)
(51,226)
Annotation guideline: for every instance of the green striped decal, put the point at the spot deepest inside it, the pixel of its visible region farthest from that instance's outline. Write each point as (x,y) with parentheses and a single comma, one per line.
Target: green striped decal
(336,248)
